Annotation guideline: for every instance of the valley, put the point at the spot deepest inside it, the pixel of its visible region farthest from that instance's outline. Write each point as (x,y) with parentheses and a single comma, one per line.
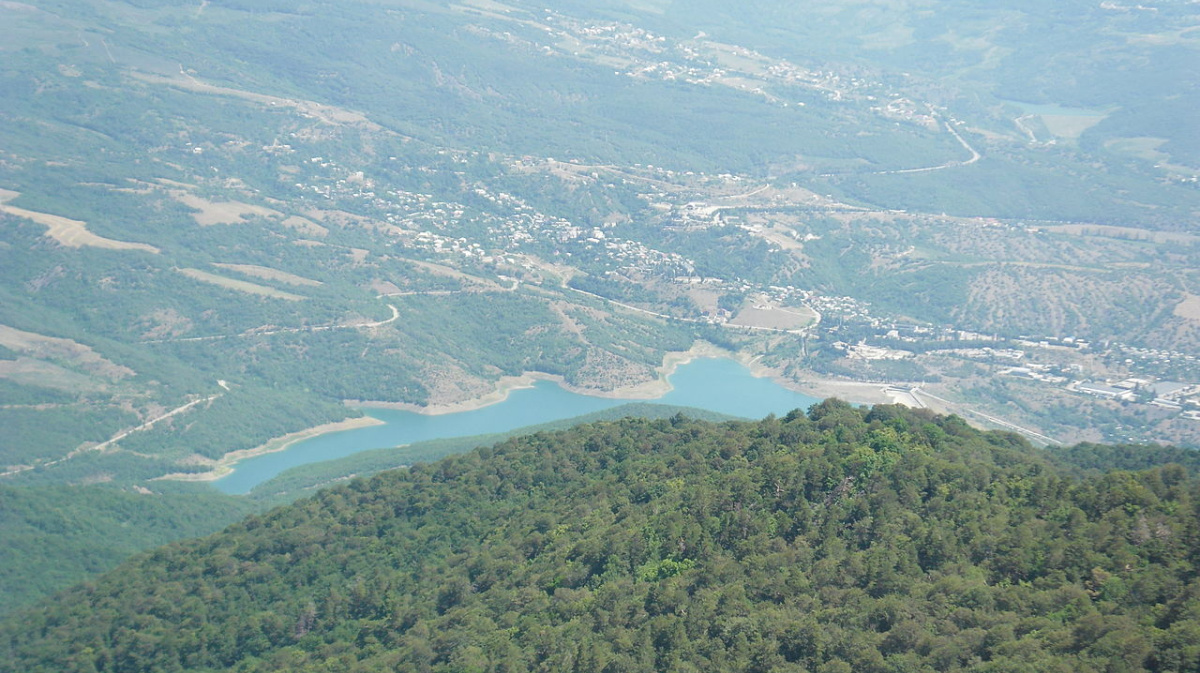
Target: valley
(229,226)
(319,204)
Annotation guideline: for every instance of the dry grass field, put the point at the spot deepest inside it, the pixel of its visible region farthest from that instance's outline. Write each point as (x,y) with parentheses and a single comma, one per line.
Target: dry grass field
(774,317)
(68,232)
(267,273)
(65,351)
(239,285)
(1189,308)
(225,212)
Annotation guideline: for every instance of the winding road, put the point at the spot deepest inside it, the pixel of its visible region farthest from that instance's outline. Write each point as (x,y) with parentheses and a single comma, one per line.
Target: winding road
(282,330)
(115,438)
(953,163)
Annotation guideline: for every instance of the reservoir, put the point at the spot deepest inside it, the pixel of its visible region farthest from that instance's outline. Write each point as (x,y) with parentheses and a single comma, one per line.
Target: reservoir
(715,384)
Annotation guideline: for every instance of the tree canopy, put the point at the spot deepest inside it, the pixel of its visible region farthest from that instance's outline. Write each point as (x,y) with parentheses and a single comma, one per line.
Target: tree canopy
(843,539)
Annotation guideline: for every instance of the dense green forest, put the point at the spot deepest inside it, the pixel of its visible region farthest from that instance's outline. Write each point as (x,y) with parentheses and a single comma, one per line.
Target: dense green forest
(56,536)
(303,480)
(844,539)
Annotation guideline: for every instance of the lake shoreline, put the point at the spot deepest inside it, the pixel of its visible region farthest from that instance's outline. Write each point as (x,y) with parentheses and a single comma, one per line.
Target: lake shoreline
(647,391)
(650,390)
(225,465)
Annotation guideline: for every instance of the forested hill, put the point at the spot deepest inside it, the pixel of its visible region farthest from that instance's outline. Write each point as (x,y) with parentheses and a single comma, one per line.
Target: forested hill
(846,539)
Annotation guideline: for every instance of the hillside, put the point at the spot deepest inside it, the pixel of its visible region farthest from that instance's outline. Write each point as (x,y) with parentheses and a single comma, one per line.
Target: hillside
(56,536)
(845,539)
(221,220)
(297,482)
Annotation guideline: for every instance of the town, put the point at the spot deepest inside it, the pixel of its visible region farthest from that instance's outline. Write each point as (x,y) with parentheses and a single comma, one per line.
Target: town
(503,236)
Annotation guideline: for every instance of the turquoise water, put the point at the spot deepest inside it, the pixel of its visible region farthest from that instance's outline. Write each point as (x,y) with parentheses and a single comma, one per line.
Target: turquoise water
(715,384)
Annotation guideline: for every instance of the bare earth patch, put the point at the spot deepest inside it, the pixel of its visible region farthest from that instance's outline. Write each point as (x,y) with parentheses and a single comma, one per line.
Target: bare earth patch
(239,285)
(449,384)
(852,391)
(1189,308)
(224,212)
(704,299)
(41,374)
(766,314)
(267,273)
(779,230)
(1130,233)
(341,218)
(1070,126)
(68,232)
(569,324)
(165,323)
(67,351)
(325,113)
(305,226)
(225,465)
(385,287)
(451,272)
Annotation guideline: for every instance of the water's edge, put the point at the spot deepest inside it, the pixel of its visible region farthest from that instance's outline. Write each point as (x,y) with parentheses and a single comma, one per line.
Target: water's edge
(713,384)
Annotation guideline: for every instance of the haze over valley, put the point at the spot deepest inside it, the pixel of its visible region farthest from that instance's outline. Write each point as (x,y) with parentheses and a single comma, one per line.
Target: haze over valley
(230,226)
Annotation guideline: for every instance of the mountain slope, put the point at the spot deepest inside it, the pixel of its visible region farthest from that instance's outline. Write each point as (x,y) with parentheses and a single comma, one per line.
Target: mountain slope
(56,536)
(251,212)
(847,539)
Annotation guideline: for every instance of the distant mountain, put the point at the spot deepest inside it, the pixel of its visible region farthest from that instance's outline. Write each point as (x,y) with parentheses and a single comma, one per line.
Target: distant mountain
(222,219)
(847,539)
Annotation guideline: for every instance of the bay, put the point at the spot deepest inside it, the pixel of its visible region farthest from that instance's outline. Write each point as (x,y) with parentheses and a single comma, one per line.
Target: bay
(715,384)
